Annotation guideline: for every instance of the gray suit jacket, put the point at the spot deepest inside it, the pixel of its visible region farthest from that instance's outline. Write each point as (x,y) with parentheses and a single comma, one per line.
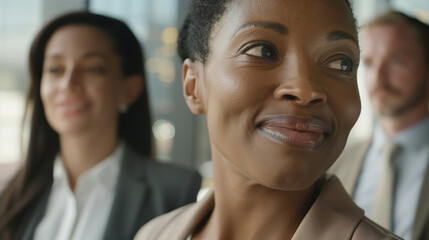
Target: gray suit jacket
(145,189)
(348,167)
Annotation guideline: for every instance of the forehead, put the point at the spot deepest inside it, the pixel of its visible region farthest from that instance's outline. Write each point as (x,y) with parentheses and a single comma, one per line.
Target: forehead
(303,16)
(77,39)
(391,40)
(391,33)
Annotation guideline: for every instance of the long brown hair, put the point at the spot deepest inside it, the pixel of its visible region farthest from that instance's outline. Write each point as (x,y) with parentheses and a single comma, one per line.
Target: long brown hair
(18,201)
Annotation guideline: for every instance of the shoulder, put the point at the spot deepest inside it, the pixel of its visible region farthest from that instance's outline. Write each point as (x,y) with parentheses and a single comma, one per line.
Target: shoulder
(356,147)
(368,230)
(159,227)
(353,218)
(342,218)
(148,168)
(176,185)
(171,175)
(179,223)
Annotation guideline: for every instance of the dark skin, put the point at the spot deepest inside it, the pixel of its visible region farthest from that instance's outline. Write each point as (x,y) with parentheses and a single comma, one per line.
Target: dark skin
(280,95)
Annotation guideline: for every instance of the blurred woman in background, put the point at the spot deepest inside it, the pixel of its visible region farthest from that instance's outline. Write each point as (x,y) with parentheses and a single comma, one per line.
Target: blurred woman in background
(89,172)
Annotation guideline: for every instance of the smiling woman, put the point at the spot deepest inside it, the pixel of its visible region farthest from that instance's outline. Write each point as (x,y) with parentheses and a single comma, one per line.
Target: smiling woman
(82,80)
(89,171)
(276,81)
(301,95)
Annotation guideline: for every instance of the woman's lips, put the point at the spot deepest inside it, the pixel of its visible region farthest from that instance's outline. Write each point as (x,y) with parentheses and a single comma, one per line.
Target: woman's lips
(307,133)
(71,107)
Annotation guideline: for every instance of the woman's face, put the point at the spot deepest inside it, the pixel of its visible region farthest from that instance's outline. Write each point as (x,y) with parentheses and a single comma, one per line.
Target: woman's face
(82,85)
(279,89)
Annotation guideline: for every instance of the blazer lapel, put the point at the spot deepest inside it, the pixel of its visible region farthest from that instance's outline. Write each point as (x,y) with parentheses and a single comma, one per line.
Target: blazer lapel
(356,166)
(180,223)
(131,195)
(333,215)
(348,165)
(421,221)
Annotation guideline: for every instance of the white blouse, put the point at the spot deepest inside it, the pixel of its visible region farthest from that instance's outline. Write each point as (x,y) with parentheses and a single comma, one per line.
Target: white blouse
(82,214)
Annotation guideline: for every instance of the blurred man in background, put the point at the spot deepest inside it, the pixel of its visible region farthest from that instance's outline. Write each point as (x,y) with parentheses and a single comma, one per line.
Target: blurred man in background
(388,175)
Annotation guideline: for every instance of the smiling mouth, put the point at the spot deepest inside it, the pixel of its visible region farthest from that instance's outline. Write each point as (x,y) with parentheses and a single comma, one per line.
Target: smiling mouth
(71,108)
(306,133)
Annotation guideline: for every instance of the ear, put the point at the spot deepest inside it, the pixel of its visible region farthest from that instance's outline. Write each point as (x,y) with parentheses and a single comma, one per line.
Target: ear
(191,77)
(133,86)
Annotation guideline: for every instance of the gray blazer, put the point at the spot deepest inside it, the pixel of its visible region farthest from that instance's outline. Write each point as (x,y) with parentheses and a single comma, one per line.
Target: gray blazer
(145,189)
(348,167)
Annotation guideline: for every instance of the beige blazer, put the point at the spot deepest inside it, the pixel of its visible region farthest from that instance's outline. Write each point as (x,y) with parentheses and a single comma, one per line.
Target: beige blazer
(347,168)
(332,216)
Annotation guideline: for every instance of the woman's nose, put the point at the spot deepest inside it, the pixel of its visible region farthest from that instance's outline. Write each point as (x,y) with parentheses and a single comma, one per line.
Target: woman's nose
(301,90)
(71,79)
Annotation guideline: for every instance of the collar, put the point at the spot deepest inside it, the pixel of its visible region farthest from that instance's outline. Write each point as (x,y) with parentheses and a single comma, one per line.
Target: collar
(104,174)
(416,136)
(413,137)
(333,215)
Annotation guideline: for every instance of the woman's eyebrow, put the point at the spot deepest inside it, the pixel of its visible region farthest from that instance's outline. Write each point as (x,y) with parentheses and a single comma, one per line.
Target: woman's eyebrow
(86,55)
(341,35)
(52,56)
(277,27)
(95,54)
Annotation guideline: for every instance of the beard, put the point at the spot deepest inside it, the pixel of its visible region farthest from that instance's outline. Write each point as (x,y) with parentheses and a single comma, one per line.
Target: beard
(399,103)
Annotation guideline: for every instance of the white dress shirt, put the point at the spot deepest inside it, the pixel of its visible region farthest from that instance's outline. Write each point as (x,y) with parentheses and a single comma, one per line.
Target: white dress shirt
(410,162)
(81,214)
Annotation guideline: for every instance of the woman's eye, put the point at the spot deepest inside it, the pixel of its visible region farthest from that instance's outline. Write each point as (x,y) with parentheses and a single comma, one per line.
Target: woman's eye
(263,51)
(54,70)
(341,64)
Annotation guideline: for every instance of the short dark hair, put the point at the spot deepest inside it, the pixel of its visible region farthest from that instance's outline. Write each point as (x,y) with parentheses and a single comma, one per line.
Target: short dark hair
(18,200)
(195,33)
(397,17)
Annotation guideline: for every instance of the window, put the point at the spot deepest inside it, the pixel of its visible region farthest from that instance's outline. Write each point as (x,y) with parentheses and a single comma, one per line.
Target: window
(19,20)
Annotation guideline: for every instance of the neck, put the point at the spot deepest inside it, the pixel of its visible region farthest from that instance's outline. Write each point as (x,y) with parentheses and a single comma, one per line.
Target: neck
(392,125)
(82,152)
(245,209)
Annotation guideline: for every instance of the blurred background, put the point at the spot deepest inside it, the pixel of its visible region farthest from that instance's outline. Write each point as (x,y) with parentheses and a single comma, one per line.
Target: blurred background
(180,136)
